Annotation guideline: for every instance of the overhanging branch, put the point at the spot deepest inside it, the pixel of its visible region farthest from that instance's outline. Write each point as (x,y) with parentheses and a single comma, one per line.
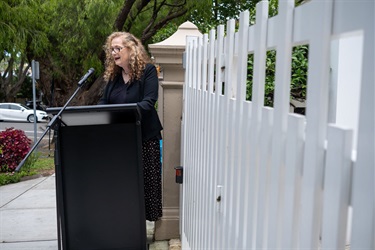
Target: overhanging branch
(147,34)
(123,15)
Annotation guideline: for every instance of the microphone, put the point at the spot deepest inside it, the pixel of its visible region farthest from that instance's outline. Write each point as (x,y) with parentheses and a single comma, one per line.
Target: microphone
(87,75)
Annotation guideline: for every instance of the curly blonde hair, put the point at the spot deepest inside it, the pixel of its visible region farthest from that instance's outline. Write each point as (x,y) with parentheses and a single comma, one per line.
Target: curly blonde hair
(138,57)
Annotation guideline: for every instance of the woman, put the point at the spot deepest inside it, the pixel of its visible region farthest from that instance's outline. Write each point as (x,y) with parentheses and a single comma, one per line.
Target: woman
(133,79)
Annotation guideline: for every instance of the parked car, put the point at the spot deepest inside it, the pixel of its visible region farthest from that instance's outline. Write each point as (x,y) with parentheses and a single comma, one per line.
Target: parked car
(39,105)
(20,112)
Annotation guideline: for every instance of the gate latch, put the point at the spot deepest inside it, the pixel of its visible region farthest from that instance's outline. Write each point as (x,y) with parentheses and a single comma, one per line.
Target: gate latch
(179,174)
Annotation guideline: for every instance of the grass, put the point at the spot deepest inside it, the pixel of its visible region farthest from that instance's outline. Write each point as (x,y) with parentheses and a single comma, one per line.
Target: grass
(43,164)
(38,164)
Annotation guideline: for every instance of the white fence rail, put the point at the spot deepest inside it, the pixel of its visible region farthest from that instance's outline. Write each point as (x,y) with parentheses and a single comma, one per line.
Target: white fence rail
(262,178)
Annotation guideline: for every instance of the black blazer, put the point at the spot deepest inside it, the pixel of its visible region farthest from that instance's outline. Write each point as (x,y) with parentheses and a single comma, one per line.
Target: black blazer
(144,92)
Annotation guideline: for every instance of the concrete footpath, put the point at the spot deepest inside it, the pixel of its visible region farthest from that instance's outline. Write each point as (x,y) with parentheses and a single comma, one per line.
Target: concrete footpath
(28,217)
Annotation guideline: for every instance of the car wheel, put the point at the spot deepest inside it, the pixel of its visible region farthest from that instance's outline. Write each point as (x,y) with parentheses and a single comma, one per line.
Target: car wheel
(30,118)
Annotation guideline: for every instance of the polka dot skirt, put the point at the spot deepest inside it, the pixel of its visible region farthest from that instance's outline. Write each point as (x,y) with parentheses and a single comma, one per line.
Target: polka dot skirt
(152,179)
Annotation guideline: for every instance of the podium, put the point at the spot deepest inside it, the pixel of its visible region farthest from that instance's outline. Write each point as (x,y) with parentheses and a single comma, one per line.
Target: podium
(99,178)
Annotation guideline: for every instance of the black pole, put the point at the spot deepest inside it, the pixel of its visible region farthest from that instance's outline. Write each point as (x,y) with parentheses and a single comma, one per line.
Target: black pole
(55,119)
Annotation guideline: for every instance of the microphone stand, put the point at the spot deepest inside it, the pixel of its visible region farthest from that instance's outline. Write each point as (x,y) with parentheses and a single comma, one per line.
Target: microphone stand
(55,119)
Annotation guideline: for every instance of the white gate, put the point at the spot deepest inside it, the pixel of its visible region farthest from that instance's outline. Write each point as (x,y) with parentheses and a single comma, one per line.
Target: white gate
(262,178)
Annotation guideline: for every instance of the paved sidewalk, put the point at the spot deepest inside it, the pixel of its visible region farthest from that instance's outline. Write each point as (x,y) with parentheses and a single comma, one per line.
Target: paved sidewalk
(28,216)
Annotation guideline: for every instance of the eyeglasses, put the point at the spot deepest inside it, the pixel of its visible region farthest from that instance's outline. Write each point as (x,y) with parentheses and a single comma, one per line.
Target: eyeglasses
(116,49)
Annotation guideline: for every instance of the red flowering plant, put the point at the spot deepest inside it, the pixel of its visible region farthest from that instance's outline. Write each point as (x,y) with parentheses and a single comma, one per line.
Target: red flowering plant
(14,146)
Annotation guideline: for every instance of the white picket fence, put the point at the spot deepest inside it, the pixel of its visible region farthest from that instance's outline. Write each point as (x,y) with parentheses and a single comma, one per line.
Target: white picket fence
(262,178)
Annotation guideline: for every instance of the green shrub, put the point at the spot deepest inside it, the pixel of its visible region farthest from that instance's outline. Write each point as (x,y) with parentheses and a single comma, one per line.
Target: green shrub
(7,178)
(299,70)
(34,165)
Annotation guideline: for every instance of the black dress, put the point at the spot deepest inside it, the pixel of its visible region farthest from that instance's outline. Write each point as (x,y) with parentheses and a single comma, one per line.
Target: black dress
(144,92)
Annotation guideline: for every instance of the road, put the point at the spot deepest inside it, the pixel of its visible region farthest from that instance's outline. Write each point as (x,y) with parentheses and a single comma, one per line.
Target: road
(28,128)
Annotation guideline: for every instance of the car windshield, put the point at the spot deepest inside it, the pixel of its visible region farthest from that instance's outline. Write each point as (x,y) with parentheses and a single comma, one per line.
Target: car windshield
(24,106)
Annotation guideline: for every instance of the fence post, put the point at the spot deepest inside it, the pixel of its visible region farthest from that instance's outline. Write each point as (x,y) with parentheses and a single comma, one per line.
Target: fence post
(168,56)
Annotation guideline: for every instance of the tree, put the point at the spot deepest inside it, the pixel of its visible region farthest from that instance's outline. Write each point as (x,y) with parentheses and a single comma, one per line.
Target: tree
(211,13)
(156,16)
(66,37)
(12,76)
(76,32)
(19,34)
(143,18)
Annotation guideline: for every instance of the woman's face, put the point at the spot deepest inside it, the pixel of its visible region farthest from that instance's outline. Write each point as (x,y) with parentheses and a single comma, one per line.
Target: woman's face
(120,53)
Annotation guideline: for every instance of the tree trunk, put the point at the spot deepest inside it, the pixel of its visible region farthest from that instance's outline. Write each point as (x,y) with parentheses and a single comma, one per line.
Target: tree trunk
(91,94)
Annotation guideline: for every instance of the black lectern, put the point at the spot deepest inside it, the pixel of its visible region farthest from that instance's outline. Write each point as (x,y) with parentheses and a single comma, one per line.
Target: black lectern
(99,178)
